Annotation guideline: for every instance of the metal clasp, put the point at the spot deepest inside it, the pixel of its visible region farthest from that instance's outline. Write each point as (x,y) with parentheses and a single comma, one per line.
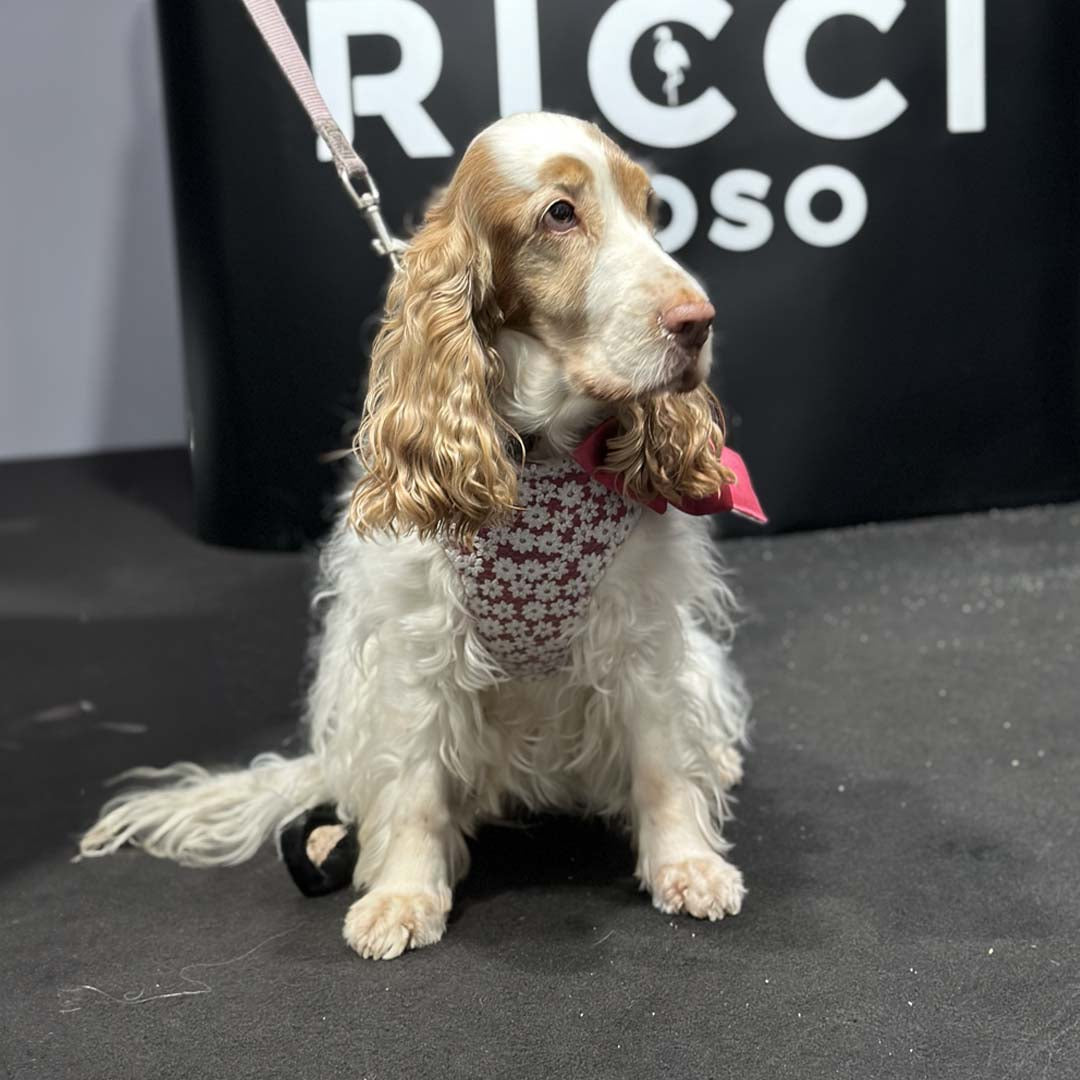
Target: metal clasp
(367,202)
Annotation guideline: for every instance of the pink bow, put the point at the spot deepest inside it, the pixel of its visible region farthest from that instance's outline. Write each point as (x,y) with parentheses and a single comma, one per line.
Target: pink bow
(738,497)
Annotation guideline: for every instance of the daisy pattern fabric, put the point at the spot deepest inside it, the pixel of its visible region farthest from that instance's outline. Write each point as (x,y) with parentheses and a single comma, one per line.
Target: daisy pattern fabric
(528,582)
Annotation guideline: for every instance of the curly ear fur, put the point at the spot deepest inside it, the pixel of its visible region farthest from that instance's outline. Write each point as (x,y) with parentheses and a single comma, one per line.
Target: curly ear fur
(430,442)
(670,446)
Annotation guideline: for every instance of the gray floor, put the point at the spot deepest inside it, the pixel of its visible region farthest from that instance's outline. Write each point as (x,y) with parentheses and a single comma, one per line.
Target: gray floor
(908,827)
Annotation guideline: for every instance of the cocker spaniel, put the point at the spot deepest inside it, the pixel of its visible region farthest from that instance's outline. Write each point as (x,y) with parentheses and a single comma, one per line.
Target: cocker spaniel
(509,618)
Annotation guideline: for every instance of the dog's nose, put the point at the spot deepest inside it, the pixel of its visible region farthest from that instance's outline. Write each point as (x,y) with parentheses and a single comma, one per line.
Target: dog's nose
(689,323)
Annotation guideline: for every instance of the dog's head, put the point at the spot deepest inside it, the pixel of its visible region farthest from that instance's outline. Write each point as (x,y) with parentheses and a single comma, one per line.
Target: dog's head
(533,300)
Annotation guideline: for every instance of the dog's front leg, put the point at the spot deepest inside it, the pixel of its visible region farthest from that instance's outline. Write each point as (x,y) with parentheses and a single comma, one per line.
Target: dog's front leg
(678,861)
(679,770)
(411,852)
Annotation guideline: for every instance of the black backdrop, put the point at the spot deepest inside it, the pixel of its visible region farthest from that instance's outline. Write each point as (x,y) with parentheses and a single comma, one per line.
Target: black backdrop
(928,363)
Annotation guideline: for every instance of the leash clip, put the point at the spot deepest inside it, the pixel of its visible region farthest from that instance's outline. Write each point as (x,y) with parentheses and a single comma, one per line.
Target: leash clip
(367,202)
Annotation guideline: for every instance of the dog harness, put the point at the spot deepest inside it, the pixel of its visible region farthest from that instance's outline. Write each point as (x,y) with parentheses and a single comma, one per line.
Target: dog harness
(528,582)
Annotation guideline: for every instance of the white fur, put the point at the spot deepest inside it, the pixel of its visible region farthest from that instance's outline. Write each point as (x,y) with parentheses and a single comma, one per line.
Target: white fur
(417,737)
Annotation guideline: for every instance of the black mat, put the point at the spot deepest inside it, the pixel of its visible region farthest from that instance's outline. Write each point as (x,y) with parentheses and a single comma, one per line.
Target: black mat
(908,828)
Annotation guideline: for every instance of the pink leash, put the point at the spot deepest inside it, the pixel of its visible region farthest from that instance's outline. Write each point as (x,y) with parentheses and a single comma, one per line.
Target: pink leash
(351,169)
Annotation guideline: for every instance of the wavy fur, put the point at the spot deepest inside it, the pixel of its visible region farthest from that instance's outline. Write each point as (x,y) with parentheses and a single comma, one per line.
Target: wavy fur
(430,443)
(670,446)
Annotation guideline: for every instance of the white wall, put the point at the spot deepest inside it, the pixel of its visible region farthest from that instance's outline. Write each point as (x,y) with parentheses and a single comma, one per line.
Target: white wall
(89,331)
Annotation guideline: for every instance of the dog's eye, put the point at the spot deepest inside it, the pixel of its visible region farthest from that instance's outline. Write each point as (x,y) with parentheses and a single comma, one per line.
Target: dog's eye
(560,216)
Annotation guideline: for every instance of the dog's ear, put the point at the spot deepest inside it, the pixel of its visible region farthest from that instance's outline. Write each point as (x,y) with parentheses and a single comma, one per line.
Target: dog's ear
(430,443)
(670,445)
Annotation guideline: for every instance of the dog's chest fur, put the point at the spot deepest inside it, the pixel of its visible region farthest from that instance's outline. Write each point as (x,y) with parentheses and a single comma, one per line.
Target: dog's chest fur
(527,583)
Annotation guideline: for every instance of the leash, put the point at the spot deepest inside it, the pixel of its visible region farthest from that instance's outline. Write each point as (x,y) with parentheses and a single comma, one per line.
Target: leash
(354,175)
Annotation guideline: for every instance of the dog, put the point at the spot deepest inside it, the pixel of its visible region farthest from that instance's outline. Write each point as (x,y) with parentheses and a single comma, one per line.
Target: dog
(510,623)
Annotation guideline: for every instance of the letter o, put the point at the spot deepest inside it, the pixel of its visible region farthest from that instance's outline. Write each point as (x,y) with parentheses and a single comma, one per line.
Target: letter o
(684,215)
(853,210)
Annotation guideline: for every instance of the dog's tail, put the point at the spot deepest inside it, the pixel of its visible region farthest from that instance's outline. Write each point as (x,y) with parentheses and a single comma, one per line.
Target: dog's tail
(207,819)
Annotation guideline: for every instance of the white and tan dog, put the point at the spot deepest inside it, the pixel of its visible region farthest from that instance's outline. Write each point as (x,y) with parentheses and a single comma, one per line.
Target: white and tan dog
(533,305)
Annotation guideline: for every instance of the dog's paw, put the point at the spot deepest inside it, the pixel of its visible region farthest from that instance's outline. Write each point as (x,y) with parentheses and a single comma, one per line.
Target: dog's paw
(708,887)
(386,922)
(728,763)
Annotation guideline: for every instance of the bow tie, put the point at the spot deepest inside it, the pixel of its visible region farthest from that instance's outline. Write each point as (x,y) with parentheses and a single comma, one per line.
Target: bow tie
(738,497)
